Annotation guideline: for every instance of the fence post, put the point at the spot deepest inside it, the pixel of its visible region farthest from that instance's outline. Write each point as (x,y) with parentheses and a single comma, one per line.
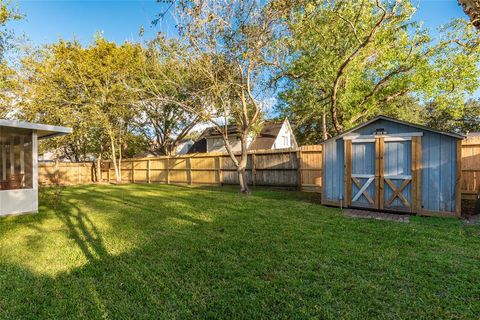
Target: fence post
(133,171)
(189,171)
(299,168)
(108,172)
(148,171)
(99,170)
(57,173)
(254,171)
(217,170)
(220,169)
(168,170)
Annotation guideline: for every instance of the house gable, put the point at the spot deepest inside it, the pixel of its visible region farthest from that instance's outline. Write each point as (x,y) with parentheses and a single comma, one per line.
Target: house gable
(285,137)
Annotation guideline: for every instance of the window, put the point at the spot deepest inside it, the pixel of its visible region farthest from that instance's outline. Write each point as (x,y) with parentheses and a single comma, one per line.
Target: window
(16,162)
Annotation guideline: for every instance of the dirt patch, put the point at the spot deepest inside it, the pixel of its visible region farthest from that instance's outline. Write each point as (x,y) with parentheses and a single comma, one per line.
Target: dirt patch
(377,215)
(472,220)
(470,207)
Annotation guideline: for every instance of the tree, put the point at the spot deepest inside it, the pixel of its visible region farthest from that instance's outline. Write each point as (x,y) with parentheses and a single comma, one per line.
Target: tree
(467,120)
(89,89)
(350,61)
(163,123)
(472,9)
(231,52)
(7,41)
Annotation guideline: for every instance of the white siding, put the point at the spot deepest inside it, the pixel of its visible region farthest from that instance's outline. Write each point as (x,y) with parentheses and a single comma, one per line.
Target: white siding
(217,144)
(183,147)
(285,138)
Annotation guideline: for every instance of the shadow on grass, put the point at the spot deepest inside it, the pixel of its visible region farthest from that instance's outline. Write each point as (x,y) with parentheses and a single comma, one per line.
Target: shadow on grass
(271,255)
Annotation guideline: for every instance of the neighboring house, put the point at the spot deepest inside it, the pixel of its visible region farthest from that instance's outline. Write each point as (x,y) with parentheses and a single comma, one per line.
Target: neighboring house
(183,146)
(274,135)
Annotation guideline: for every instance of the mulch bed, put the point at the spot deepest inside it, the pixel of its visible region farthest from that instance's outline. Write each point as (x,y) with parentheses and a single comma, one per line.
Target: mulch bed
(356,213)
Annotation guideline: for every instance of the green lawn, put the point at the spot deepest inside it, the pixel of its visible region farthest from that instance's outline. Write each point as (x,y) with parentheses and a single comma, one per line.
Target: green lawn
(155,251)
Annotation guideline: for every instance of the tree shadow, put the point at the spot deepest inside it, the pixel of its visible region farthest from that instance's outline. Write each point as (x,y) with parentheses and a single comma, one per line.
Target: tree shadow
(81,228)
(264,265)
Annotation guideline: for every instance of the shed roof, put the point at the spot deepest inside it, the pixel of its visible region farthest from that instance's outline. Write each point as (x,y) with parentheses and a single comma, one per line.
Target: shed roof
(44,131)
(382,117)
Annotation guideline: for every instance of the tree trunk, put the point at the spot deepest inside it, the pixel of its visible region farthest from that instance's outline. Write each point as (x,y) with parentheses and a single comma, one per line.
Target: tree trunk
(99,169)
(242,178)
(242,166)
(118,177)
(324,124)
(120,154)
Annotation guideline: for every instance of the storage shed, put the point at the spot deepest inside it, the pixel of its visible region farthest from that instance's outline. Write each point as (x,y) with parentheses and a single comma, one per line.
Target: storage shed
(19,165)
(392,165)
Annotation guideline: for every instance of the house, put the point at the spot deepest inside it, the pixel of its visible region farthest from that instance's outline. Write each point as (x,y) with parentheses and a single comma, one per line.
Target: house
(19,164)
(273,135)
(183,146)
(393,165)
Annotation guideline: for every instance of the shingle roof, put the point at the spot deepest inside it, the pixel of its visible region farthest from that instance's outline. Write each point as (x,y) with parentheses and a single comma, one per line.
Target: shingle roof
(264,140)
(213,132)
(266,137)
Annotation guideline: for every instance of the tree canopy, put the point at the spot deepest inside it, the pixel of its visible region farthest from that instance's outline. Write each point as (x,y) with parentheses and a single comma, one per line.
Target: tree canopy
(332,64)
(351,60)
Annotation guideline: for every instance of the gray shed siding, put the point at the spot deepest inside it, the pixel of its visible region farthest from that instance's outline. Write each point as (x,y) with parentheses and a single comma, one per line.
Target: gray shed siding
(438,162)
(333,167)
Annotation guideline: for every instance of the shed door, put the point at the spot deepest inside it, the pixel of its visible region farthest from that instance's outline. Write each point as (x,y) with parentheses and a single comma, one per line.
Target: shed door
(362,179)
(396,178)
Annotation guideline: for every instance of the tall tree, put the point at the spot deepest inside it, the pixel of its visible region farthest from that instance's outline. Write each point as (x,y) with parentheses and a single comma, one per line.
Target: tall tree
(465,121)
(7,41)
(231,47)
(89,89)
(351,60)
(165,124)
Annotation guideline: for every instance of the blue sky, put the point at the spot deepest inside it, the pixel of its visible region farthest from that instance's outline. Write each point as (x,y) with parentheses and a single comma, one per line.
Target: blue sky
(46,21)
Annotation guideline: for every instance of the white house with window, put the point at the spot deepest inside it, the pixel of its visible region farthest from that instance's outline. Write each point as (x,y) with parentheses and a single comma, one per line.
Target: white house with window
(274,135)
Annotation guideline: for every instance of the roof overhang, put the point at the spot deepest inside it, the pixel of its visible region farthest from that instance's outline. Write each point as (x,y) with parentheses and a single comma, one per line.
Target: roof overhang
(381,117)
(44,131)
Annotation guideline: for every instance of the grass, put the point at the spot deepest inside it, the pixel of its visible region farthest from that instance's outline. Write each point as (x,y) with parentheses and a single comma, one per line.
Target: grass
(138,251)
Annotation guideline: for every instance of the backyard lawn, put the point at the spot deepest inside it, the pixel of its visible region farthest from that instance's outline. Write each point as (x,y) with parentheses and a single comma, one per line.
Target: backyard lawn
(156,251)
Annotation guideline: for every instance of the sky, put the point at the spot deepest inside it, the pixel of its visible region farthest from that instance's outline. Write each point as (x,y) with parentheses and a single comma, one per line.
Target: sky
(119,21)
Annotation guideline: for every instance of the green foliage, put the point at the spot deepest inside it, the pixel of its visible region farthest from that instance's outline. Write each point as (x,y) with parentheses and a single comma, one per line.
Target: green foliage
(165,73)
(7,14)
(172,252)
(7,41)
(88,89)
(352,60)
(467,119)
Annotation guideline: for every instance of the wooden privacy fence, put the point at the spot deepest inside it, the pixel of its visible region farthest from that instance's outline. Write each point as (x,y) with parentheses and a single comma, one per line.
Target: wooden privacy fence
(66,173)
(471,168)
(287,168)
(300,167)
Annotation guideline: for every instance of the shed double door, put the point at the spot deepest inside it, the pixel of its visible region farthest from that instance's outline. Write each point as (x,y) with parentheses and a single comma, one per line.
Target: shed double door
(379,173)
